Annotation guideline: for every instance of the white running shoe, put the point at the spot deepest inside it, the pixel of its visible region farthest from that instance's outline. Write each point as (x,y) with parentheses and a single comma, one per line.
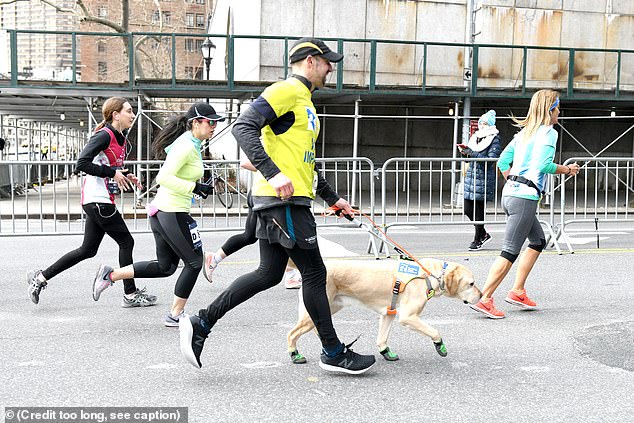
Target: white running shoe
(292,279)
(102,281)
(209,265)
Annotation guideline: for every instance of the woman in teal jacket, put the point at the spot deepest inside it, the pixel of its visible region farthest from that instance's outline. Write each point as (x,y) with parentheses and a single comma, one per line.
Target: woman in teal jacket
(175,231)
(531,152)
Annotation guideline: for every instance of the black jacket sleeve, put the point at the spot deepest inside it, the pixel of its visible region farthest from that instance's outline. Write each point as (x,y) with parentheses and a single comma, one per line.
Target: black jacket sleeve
(97,143)
(247,131)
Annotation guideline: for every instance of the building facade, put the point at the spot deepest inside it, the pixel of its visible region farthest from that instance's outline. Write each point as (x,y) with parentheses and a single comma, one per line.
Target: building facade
(45,57)
(105,58)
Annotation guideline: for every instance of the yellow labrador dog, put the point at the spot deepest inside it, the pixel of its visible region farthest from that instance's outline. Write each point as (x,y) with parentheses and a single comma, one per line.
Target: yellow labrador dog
(370,284)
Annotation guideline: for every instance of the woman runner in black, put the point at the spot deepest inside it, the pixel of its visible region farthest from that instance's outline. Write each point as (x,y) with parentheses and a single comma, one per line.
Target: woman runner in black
(175,230)
(102,161)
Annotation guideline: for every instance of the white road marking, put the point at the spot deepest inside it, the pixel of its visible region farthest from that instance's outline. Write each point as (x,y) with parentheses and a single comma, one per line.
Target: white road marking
(262,365)
(162,366)
(535,369)
(32,363)
(586,240)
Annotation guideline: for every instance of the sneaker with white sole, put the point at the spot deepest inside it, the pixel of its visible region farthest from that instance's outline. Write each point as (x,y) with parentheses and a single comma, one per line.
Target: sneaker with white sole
(520,300)
(172,321)
(486,238)
(209,266)
(35,285)
(347,361)
(140,299)
(292,279)
(193,334)
(102,281)
(487,307)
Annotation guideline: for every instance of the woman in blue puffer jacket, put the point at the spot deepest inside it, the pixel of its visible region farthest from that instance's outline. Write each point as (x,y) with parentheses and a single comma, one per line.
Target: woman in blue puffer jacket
(480,181)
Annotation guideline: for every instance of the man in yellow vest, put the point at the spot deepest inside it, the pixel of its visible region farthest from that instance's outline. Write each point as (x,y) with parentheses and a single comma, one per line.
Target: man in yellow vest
(278,134)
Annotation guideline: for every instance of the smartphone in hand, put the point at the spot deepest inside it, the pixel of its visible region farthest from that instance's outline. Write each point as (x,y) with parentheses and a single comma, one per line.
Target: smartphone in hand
(463,146)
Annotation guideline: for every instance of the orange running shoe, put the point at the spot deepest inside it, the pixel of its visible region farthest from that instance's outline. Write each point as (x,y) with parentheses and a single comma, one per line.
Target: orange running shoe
(520,300)
(488,308)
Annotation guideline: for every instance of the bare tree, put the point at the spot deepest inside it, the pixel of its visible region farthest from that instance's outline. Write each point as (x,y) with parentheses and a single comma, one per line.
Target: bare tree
(84,15)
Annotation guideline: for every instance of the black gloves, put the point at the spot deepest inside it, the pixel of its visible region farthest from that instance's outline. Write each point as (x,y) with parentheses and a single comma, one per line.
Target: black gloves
(203,189)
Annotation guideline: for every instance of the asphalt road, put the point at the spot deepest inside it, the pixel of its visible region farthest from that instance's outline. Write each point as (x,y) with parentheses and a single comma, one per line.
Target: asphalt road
(571,360)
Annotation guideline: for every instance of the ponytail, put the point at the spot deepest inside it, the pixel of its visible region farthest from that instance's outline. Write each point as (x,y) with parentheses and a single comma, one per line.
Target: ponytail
(174,128)
(101,125)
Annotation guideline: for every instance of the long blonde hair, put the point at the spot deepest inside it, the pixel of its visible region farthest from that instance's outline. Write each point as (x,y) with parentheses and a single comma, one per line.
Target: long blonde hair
(538,113)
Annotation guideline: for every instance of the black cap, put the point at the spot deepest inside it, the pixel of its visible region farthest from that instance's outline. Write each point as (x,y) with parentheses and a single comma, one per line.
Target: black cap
(203,110)
(305,47)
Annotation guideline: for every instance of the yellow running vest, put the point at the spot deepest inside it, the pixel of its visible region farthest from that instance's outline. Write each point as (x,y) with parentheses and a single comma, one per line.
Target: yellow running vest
(290,139)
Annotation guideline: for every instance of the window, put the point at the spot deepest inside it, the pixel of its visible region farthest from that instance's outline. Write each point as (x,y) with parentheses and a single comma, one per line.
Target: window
(102,11)
(101,46)
(198,72)
(189,20)
(167,18)
(102,69)
(199,44)
(189,72)
(200,1)
(200,21)
(156,17)
(189,45)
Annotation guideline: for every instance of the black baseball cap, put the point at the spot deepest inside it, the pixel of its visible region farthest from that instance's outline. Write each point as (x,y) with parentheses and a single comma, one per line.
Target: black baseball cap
(305,47)
(203,111)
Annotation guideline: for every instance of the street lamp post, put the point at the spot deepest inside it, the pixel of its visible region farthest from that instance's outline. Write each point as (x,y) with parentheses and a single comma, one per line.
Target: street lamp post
(208,49)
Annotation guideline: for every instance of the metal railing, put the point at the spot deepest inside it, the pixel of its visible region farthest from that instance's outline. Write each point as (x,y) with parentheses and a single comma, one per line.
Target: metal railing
(158,60)
(43,197)
(603,192)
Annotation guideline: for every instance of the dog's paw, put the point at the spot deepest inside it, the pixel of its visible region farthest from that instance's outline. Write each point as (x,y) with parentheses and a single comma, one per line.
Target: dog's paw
(441,349)
(389,355)
(297,358)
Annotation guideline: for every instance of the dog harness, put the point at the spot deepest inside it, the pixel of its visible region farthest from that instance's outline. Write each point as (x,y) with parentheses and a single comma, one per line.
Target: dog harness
(409,270)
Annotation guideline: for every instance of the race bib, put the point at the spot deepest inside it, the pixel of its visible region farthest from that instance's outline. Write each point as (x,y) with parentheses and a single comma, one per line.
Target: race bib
(193,230)
(408,270)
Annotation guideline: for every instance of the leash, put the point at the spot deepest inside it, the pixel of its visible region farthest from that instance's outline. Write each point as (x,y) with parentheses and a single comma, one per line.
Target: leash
(374,230)
(377,232)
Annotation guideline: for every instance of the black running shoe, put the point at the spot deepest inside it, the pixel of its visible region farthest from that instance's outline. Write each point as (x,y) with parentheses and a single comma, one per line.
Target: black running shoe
(35,285)
(347,361)
(475,245)
(486,238)
(192,338)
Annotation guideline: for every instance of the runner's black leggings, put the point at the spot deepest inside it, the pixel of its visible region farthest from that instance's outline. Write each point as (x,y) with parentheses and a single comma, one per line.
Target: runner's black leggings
(173,243)
(101,219)
(239,241)
(474,210)
(273,259)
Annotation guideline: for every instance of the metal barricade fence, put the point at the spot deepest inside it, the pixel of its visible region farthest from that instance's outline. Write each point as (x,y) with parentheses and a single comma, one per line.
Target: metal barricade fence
(44,197)
(603,192)
(427,191)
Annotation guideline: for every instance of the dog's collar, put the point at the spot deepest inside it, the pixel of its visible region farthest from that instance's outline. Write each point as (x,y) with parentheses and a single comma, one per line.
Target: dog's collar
(431,292)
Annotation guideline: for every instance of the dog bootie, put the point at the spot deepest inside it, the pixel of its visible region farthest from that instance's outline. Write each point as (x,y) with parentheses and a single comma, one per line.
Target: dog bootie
(389,355)
(441,349)
(297,358)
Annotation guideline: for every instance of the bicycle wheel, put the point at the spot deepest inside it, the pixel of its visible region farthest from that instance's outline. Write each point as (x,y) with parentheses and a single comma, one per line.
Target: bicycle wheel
(223,194)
